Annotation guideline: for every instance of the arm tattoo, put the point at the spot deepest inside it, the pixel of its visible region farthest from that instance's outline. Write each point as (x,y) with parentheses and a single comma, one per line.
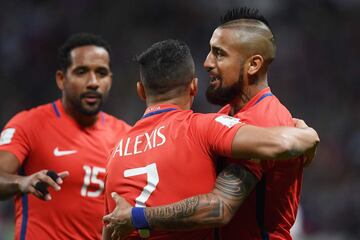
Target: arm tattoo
(214,209)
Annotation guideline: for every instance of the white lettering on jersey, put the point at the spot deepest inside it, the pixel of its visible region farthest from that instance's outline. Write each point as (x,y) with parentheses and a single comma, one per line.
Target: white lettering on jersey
(148,139)
(137,141)
(227,121)
(118,148)
(126,153)
(160,135)
(7,135)
(139,144)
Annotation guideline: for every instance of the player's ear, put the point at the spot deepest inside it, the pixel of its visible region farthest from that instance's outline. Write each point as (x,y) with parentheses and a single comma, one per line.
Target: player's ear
(194,86)
(255,64)
(140,90)
(60,79)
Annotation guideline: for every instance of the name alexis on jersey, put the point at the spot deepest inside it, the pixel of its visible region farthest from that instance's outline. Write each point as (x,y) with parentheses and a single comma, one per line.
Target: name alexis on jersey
(141,143)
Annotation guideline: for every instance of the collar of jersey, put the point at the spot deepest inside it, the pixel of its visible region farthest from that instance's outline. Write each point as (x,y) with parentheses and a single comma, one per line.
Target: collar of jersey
(266,92)
(255,100)
(59,110)
(160,108)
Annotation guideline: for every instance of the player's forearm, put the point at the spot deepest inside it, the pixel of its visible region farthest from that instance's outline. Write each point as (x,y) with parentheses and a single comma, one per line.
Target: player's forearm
(273,143)
(9,185)
(202,211)
(214,209)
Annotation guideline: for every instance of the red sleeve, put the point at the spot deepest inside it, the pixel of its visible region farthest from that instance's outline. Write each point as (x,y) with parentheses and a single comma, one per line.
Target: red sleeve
(215,132)
(15,137)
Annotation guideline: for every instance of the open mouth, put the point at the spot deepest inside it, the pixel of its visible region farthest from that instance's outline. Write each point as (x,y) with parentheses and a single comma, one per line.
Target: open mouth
(215,82)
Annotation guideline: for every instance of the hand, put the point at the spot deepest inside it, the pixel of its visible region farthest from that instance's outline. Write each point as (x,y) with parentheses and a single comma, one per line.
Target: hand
(299,123)
(310,154)
(28,184)
(119,221)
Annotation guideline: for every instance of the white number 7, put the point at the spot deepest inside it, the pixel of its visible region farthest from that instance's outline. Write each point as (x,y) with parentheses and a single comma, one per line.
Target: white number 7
(152,181)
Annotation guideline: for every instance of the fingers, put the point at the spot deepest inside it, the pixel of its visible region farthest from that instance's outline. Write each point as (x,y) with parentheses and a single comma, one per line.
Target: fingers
(299,123)
(120,201)
(48,180)
(116,235)
(42,180)
(115,196)
(306,161)
(61,176)
(107,218)
(119,229)
(309,157)
(38,194)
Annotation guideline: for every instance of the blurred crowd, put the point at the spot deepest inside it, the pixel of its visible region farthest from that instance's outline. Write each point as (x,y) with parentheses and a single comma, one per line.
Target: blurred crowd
(314,74)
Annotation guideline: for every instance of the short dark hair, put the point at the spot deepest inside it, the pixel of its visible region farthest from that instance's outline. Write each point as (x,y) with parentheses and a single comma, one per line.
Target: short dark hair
(165,66)
(74,41)
(244,13)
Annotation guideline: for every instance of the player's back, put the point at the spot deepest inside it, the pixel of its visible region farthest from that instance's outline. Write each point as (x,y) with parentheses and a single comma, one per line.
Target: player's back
(270,210)
(165,158)
(46,137)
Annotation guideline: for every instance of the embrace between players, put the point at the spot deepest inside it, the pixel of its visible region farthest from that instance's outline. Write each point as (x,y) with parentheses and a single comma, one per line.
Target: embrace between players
(174,170)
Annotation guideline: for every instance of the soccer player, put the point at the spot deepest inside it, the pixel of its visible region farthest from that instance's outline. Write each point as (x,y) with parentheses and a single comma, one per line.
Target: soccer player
(167,155)
(70,136)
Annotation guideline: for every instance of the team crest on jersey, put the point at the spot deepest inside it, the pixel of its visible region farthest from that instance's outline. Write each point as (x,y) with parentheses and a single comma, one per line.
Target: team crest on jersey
(227,121)
(7,135)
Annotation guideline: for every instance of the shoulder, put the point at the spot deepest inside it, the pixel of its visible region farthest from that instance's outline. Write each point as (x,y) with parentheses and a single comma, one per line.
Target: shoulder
(280,107)
(32,116)
(115,123)
(269,112)
(283,114)
(211,120)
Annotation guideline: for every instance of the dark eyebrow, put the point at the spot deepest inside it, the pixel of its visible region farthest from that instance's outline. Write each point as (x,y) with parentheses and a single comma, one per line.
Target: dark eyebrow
(81,66)
(103,67)
(217,48)
(214,48)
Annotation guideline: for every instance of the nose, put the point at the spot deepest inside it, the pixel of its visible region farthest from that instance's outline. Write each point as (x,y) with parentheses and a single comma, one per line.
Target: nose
(93,82)
(209,62)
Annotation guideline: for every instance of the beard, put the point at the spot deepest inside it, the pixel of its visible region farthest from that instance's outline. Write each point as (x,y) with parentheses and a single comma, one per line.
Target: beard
(85,108)
(224,95)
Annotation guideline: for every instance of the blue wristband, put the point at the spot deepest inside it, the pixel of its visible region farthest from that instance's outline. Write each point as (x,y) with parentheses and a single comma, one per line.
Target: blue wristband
(138,218)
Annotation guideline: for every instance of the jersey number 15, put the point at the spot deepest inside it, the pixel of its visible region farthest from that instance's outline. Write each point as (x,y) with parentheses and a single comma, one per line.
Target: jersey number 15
(91,176)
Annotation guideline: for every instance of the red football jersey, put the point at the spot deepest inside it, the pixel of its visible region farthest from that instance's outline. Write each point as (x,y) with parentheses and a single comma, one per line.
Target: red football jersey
(166,157)
(270,210)
(46,137)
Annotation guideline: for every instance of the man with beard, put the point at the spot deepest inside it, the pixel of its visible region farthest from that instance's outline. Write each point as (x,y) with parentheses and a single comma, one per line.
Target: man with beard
(69,138)
(241,50)
(167,155)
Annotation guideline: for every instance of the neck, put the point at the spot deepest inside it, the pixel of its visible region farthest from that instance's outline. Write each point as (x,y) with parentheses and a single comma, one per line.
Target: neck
(182,102)
(82,119)
(248,93)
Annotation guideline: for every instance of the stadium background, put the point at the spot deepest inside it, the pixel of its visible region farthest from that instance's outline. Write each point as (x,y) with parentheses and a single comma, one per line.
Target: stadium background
(315,74)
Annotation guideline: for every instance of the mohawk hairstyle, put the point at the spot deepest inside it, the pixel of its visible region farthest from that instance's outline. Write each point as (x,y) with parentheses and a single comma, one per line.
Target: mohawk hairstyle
(243,13)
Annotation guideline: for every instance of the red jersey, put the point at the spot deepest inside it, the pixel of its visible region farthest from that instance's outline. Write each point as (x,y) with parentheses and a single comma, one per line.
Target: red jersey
(270,210)
(46,137)
(166,157)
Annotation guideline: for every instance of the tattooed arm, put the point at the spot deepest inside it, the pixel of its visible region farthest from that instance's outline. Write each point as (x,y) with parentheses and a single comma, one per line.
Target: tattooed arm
(214,209)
